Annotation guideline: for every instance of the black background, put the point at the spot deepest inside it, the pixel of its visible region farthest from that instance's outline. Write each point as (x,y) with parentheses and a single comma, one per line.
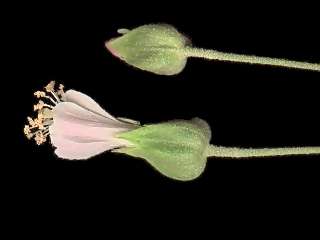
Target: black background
(246,106)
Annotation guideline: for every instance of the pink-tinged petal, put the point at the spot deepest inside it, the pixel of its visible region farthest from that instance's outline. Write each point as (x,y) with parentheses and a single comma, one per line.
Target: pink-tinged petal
(72,121)
(86,102)
(71,112)
(72,150)
(83,131)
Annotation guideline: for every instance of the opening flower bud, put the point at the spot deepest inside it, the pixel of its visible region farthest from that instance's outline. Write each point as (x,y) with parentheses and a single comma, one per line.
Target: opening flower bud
(75,124)
(79,128)
(155,48)
(177,149)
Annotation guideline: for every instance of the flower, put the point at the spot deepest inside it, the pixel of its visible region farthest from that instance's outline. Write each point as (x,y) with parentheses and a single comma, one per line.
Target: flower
(77,126)
(79,129)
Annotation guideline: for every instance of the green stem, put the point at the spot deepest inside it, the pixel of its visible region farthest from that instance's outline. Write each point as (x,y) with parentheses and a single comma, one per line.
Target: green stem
(232,57)
(233,152)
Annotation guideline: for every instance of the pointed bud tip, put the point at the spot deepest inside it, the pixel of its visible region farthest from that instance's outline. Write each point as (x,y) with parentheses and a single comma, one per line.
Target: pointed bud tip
(111,49)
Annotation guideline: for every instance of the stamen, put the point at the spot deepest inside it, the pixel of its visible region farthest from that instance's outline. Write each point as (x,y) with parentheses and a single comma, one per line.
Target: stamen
(40,94)
(38,128)
(53,93)
(50,89)
(51,99)
(60,92)
(31,122)
(38,106)
(46,113)
(32,128)
(40,138)
(48,106)
(27,131)
(50,86)
(45,131)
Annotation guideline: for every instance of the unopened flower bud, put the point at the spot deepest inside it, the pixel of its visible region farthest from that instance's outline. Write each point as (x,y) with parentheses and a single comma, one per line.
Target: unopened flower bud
(155,48)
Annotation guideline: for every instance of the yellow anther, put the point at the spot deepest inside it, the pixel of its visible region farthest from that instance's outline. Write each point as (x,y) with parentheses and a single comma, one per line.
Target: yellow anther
(38,106)
(40,138)
(39,123)
(31,122)
(50,86)
(40,94)
(27,131)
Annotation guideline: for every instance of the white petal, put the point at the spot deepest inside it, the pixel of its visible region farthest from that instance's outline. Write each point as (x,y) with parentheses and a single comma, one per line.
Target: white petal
(72,112)
(68,149)
(83,131)
(72,121)
(86,102)
(79,134)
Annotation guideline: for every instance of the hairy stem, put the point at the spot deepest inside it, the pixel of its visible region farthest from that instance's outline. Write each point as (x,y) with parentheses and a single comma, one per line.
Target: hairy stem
(251,59)
(233,152)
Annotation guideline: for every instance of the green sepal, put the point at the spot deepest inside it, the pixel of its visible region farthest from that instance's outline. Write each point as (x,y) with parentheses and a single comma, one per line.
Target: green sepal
(177,149)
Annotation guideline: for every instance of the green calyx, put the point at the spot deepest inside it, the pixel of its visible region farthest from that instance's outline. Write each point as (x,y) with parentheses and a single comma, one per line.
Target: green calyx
(177,149)
(155,48)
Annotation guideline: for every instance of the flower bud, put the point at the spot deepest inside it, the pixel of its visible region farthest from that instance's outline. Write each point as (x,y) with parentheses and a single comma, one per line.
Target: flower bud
(177,149)
(155,48)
